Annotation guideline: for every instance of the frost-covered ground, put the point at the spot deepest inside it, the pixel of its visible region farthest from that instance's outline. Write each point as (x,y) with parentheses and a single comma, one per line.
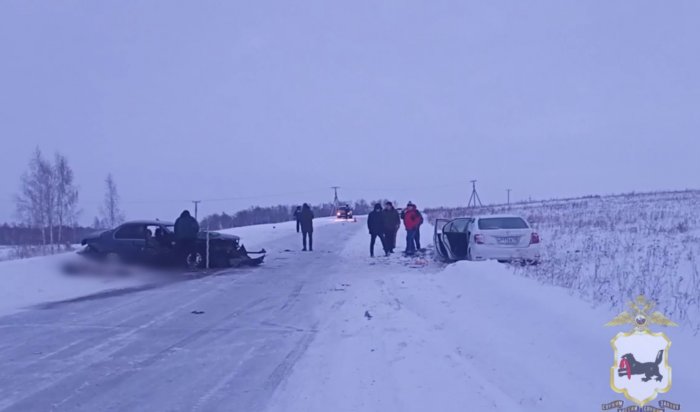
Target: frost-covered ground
(332,330)
(612,247)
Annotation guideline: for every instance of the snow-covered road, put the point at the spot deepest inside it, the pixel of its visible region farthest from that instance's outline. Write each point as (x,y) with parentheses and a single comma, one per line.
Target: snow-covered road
(148,350)
(331,330)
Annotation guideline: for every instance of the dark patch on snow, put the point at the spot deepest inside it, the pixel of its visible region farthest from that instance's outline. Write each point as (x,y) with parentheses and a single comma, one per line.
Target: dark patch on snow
(186,276)
(100,295)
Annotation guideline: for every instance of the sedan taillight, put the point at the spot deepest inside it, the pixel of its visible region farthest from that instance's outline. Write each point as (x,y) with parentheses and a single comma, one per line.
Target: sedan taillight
(534,238)
(479,239)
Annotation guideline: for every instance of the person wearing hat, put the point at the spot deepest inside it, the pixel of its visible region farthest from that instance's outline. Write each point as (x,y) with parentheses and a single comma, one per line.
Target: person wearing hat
(417,237)
(392,223)
(375,224)
(411,221)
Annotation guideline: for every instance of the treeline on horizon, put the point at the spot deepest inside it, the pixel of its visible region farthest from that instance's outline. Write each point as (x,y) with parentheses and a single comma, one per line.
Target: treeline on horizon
(258,215)
(13,234)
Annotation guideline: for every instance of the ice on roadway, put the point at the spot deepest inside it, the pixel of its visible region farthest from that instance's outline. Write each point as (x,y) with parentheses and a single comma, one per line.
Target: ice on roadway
(331,330)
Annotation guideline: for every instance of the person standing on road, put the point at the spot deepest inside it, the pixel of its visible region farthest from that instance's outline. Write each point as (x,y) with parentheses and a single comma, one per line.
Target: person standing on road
(392,223)
(297,217)
(411,221)
(375,224)
(306,221)
(186,229)
(417,237)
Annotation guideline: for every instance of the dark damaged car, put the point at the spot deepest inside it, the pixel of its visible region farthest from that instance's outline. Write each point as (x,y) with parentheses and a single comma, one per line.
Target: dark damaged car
(153,242)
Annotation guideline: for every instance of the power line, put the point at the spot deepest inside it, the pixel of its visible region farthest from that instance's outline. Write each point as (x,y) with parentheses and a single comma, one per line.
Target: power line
(208,200)
(263,196)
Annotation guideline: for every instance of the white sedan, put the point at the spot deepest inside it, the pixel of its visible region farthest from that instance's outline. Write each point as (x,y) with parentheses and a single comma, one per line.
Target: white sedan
(500,237)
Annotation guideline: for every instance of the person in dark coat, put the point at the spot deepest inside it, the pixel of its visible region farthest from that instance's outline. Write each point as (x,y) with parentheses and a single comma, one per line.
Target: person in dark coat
(392,223)
(186,229)
(297,216)
(375,224)
(306,220)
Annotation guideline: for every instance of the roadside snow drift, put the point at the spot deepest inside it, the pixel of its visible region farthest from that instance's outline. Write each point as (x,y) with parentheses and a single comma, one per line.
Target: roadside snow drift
(471,337)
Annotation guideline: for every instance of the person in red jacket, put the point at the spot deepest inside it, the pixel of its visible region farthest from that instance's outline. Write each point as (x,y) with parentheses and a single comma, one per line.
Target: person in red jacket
(411,221)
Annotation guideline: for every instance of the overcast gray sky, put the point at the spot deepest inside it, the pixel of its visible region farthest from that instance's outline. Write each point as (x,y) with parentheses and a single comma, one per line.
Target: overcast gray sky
(274,102)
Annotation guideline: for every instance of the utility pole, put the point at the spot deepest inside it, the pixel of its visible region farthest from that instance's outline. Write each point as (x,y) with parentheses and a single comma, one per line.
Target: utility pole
(474,198)
(508,190)
(196,205)
(335,195)
(335,200)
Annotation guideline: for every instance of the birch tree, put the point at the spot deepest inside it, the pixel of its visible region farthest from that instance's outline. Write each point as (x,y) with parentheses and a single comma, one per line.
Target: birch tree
(66,194)
(36,200)
(112,214)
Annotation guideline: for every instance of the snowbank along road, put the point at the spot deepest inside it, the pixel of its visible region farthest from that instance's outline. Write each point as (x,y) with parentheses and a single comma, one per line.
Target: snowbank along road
(331,330)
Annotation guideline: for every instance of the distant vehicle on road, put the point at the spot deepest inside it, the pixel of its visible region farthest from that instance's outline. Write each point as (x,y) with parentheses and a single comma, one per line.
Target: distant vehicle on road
(344,212)
(152,242)
(506,238)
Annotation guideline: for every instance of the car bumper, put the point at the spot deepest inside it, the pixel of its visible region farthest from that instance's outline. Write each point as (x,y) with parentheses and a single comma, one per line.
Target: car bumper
(486,252)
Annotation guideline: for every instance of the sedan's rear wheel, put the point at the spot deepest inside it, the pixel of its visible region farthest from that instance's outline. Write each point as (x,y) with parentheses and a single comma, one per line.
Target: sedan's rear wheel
(195,260)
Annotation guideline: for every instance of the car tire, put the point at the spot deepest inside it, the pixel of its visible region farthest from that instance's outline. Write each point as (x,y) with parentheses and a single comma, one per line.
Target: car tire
(195,260)
(469,253)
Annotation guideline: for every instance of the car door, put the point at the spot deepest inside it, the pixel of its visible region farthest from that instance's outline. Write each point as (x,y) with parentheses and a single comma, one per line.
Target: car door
(129,241)
(455,238)
(446,229)
(438,238)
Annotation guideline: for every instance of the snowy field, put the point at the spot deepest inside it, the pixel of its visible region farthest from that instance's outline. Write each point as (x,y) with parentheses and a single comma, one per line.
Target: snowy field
(609,248)
(5,252)
(331,330)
